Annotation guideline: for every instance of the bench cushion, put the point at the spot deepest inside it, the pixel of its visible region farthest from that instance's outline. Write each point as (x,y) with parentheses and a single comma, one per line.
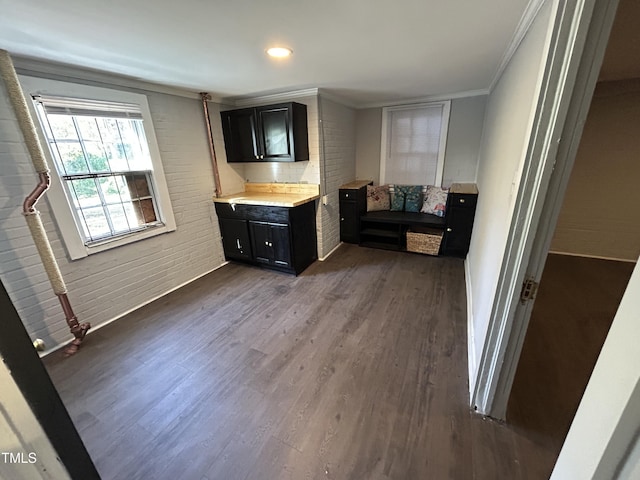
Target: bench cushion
(406,218)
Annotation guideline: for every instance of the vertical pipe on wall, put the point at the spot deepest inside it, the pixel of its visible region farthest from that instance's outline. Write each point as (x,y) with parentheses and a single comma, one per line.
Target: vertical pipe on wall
(212,151)
(32,215)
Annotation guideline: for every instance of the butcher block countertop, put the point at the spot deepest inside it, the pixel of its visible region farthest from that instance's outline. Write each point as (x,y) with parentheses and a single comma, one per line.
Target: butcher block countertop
(273,194)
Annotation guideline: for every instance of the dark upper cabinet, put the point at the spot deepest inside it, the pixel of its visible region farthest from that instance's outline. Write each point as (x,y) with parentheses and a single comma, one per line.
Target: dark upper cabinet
(270,133)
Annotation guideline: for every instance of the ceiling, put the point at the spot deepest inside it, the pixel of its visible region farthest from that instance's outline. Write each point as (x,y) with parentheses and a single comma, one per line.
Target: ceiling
(365,51)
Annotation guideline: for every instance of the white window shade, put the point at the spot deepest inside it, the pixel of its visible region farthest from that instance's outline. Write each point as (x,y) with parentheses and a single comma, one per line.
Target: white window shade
(413,144)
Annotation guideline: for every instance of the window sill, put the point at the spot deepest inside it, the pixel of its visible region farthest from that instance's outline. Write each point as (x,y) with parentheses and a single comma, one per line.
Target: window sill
(108,244)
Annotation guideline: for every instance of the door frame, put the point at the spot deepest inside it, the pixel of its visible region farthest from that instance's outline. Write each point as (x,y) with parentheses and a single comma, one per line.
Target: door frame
(579,38)
(31,377)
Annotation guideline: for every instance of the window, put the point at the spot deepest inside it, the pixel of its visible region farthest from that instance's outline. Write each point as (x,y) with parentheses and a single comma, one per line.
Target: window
(413,144)
(106,159)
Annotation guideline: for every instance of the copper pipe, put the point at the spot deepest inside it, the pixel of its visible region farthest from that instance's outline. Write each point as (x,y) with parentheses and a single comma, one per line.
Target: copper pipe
(78,330)
(214,162)
(43,185)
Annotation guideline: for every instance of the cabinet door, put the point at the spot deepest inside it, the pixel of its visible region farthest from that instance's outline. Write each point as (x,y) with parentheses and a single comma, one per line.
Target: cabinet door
(235,239)
(240,135)
(275,134)
(458,232)
(271,244)
(349,222)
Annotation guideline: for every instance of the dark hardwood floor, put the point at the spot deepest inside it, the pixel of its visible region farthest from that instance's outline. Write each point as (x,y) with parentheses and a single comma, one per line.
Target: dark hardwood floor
(356,369)
(575,305)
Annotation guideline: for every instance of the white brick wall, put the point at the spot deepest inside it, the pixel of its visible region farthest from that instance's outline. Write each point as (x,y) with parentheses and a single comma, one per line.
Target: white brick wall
(106,285)
(339,140)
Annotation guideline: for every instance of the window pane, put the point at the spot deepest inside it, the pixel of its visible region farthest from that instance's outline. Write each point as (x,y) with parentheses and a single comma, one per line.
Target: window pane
(62,127)
(86,192)
(413,145)
(88,128)
(138,186)
(118,218)
(97,223)
(72,157)
(96,157)
(134,144)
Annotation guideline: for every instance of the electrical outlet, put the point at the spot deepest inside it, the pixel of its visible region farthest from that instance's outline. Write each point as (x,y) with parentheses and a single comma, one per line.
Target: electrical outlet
(325,199)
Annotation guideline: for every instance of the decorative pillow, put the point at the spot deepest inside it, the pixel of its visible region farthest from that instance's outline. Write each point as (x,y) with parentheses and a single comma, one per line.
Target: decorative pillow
(378,198)
(397,198)
(435,201)
(412,197)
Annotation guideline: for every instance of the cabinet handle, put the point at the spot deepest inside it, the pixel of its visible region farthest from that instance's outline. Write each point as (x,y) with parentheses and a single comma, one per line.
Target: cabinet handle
(257,157)
(261,157)
(266,243)
(346,195)
(448,229)
(462,200)
(342,219)
(238,244)
(270,244)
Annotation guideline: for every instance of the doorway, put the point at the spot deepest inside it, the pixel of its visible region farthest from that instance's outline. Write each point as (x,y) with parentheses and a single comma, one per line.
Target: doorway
(592,254)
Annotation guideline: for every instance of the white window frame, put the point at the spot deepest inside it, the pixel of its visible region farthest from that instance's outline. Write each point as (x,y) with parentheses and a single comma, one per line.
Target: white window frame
(61,205)
(384,137)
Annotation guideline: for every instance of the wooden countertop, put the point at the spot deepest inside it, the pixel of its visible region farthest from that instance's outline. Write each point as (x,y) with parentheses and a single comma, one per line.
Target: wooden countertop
(356,184)
(273,194)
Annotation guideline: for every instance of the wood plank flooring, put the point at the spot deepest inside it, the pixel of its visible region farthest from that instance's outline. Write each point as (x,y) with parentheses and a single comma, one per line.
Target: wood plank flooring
(575,305)
(356,369)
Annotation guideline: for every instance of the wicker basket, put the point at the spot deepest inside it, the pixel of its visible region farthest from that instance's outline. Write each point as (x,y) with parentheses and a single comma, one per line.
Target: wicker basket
(424,240)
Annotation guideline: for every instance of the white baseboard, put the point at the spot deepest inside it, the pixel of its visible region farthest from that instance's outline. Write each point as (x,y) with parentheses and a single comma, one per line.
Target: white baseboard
(147,302)
(572,254)
(322,259)
(471,344)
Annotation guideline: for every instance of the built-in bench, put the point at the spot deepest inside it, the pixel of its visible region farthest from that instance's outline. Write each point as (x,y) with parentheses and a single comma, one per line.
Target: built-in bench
(387,229)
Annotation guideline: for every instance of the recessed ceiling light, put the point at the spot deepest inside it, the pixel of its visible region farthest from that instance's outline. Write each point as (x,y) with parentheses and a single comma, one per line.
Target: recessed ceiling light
(279,52)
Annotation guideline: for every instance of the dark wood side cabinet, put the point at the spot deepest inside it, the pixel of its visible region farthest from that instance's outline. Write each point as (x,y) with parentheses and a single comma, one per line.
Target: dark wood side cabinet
(269,133)
(353,204)
(283,238)
(461,210)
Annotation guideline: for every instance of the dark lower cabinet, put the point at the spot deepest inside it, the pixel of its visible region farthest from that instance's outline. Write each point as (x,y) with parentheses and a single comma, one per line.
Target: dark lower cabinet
(461,211)
(235,238)
(281,238)
(271,244)
(353,204)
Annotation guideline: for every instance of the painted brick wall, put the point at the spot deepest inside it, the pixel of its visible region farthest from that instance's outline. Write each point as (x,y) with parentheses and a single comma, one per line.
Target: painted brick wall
(338,140)
(104,286)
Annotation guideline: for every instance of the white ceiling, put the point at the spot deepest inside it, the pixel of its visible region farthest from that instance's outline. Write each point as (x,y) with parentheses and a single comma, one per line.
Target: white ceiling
(366,51)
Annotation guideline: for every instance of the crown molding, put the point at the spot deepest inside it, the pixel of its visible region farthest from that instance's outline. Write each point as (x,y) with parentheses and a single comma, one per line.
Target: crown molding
(429,98)
(336,98)
(528,16)
(58,71)
(271,98)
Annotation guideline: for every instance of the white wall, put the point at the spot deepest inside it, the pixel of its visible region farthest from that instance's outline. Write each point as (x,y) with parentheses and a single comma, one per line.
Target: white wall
(608,418)
(507,126)
(463,141)
(108,284)
(338,147)
(601,207)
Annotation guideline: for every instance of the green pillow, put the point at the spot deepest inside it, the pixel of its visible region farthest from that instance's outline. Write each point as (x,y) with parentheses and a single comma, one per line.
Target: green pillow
(412,198)
(397,198)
